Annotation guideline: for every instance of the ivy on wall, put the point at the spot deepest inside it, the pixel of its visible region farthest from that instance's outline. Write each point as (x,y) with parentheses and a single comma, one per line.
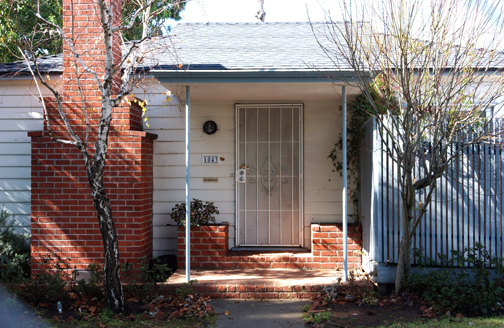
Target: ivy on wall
(359,111)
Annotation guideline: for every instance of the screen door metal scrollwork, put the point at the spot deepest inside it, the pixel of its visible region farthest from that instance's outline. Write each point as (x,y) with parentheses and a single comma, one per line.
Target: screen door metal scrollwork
(269,197)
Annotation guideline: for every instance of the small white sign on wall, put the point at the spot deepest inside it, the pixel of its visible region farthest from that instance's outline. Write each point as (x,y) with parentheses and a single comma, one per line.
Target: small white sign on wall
(210,159)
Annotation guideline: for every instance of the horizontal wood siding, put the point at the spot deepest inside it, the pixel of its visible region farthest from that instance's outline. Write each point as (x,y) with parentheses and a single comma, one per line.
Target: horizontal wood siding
(20,112)
(322,186)
(322,124)
(168,122)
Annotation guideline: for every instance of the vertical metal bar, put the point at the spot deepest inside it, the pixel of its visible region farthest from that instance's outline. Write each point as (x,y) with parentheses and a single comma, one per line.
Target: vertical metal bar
(457,194)
(300,174)
(388,186)
(269,169)
(280,196)
(237,185)
(257,184)
(452,201)
(474,166)
(499,150)
(436,223)
(494,173)
(485,197)
(245,109)
(479,195)
(188,178)
(500,197)
(344,191)
(292,175)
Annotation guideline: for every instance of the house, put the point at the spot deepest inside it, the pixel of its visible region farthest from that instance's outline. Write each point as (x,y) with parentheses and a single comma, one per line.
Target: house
(272,97)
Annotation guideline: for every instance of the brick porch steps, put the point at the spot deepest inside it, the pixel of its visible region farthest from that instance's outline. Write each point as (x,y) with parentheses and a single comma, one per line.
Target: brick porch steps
(210,249)
(258,284)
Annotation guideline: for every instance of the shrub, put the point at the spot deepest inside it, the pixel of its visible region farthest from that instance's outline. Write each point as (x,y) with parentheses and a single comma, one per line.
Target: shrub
(469,290)
(50,285)
(93,288)
(201,213)
(14,251)
(141,280)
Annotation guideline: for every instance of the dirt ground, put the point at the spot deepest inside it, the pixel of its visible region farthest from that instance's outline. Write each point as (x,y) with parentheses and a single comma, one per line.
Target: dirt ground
(352,315)
(372,313)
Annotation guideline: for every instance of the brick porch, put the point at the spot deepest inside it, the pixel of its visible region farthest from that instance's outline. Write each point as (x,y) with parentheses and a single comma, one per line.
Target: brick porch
(210,249)
(222,273)
(259,284)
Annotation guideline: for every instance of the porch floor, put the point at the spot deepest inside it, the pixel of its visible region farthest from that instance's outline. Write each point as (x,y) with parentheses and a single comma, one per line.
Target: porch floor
(255,283)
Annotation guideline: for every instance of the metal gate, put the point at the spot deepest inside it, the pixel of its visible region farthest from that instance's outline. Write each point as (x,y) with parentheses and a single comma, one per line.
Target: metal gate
(268,155)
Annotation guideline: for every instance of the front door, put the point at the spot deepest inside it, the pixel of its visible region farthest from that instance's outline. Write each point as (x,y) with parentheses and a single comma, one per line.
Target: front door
(269,148)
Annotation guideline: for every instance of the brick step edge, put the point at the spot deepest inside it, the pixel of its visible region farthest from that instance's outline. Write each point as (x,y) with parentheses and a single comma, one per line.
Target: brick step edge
(256,291)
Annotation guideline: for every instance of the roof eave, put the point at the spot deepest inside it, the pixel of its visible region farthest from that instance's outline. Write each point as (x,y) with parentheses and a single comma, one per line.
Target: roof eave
(253,76)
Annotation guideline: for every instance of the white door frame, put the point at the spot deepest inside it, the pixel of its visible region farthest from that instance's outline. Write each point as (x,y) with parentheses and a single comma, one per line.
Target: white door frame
(301,164)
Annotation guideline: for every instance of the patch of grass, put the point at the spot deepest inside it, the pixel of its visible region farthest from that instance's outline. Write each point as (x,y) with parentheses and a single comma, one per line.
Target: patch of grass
(318,317)
(449,322)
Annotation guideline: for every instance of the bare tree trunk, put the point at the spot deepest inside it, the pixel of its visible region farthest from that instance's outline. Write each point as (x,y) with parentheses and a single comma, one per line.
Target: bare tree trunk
(408,203)
(404,264)
(113,289)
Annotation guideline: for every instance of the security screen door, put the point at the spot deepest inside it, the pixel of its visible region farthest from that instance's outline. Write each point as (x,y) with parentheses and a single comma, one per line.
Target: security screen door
(269,144)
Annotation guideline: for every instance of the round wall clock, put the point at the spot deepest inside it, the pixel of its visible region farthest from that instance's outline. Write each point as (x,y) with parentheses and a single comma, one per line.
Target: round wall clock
(210,127)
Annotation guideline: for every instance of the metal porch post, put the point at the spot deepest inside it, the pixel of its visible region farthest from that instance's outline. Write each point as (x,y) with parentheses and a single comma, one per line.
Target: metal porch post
(344,191)
(188,178)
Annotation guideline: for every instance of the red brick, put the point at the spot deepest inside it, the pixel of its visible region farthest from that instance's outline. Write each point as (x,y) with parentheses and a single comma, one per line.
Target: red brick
(61,190)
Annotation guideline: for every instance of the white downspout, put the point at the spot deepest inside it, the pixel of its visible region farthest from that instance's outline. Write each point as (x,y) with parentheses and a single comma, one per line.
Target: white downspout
(344,191)
(188,178)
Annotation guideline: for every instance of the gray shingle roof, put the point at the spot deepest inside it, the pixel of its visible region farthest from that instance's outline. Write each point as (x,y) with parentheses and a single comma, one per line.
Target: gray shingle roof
(228,46)
(47,64)
(248,46)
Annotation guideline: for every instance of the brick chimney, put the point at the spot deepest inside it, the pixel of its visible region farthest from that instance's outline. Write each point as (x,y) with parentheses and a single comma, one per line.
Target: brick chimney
(63,218)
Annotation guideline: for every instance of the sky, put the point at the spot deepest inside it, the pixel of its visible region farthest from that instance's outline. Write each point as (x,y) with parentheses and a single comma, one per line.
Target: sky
(202,11)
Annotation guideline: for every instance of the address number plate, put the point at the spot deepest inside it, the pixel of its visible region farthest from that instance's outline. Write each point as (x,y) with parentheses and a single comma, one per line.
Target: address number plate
(210,159)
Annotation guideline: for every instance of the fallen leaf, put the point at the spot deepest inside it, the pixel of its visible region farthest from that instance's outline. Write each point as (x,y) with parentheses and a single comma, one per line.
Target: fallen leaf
(428,315)
(314,305)
(227,312)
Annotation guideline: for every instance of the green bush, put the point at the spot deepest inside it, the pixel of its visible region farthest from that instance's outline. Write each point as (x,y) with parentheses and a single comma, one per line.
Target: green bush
(140,281)
(201,213)
(50,286)
(469,289)
(14,251)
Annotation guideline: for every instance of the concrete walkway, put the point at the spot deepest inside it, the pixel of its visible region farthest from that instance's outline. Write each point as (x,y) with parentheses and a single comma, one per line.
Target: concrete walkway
(259,313)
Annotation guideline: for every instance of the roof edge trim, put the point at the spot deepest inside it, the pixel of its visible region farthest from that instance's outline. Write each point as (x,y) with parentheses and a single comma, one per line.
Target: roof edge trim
(253,76)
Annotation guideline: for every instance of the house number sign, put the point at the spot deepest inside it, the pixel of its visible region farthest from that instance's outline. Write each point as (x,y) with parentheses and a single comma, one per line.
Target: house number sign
(210,159)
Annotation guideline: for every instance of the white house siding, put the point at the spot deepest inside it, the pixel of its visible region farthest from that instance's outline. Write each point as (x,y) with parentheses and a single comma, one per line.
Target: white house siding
(20,112)
(322,195)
